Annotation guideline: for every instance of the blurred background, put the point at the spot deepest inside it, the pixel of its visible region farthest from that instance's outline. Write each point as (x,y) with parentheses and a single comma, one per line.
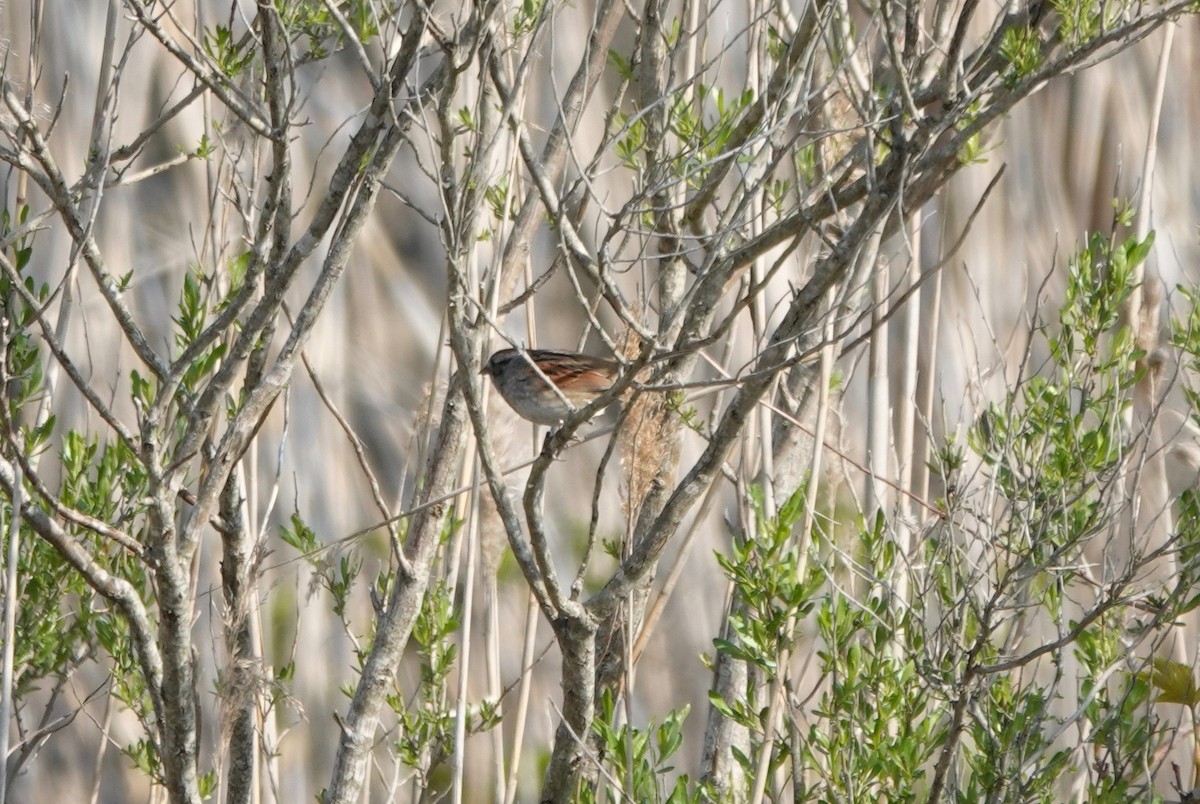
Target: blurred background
(380,348)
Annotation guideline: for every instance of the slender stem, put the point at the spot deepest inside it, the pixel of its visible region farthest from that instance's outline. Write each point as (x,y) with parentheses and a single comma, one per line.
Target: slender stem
(9,629)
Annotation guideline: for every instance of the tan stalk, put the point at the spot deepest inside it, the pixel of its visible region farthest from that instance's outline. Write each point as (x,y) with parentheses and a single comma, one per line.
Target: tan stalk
(54,370)
(925,406)
(521,715)
(875,495)
(763,456)
(464,658)
(10,625)
(906,404)
(1151,495)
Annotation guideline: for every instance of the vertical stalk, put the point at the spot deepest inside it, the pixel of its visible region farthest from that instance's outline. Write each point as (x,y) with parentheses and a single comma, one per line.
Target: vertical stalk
(522,711)
(464,659)
(875,494)
(10,625)
(905,404)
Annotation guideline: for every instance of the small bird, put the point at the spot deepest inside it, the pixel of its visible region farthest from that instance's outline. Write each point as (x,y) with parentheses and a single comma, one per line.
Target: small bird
(577,380)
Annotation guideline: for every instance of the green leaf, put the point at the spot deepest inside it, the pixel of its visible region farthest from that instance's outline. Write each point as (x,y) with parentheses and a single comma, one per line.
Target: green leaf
(719,704)
(1174,681)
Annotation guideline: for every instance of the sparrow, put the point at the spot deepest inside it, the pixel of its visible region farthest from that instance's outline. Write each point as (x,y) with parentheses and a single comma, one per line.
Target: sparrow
(574,381)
